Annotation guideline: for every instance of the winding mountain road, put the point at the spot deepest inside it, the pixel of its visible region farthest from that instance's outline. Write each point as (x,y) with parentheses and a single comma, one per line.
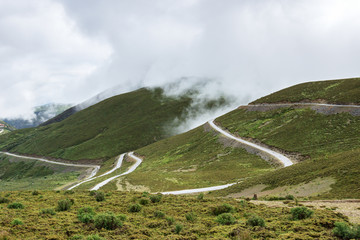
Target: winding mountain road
(1,131)
(130,170)
(284,160)
(93,173)
(281,158)
(117,166)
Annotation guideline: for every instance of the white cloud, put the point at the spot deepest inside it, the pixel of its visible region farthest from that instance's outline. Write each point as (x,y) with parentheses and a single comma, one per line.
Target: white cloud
(250,47)
(42,56)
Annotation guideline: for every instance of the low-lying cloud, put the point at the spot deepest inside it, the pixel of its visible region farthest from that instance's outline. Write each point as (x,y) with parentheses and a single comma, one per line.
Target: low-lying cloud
(70,50)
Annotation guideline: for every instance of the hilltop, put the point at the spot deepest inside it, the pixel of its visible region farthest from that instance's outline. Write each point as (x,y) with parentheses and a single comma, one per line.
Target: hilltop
(342,91)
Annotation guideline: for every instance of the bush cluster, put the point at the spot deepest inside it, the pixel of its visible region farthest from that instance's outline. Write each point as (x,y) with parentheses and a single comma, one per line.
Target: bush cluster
(108,221)
(344,231)
(178,228)
(135,208)
(255,221)
(225,208)
(100,196)
(159,214)
(86,214)
(64,205)
(47,211)
(16,222)
(299,213)
(4,200)
(225,219)
(16,205)
(144,201)
(155,198)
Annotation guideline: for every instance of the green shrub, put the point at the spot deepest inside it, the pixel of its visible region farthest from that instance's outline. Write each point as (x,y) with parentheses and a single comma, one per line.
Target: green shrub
(344,231)
(86,214)
(289,197)
(108,221)
(225,219)
(299,213)
(100,196)
(145,194)
(69,192)
(16,205)
(159,214)
(144,201)
(155,198)
(47,211)
(122,217)
(92,193)
(178,228)
(200,196)
(170,220)
(255,221)
(135,208)
(225,208)
(64,205)
(16,222)
(191,217)
(35,192)
(4,200)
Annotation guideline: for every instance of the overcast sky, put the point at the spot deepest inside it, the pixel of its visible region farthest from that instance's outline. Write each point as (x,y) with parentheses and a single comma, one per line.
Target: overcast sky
(67,51)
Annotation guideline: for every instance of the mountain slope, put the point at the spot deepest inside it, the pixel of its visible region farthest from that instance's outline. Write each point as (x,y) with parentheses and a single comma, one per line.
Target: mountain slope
(325,138)
(195,159)
(113,126)
(342,91)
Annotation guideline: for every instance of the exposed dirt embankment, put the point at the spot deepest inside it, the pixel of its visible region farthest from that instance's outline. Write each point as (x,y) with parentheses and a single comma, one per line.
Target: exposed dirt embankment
(227,142)
(326,109)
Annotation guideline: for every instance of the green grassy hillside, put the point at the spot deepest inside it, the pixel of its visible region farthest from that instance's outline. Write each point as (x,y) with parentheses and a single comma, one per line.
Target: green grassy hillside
(343,91)
(330,144)
(20,174)
(193,160)
(172,217)
(113,126)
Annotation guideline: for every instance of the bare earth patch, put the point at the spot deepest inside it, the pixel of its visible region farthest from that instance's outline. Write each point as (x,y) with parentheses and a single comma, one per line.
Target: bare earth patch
(123,185)
(313,188)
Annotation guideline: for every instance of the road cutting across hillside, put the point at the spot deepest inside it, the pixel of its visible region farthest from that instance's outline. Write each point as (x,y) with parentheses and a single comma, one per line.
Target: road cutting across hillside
(93,172)
(117,166)
(138,161)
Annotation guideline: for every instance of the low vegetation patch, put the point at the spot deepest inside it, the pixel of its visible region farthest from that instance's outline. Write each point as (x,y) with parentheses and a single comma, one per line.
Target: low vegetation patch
(64,205)
(172,219)
(224,208)
(86,214)
(108,221)
(299,213)
(256,221)
(16,205)
(226,219)
(346,231)
(135,208)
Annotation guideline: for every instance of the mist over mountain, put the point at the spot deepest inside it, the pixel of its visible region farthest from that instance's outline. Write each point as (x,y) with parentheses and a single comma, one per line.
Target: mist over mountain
(40,115)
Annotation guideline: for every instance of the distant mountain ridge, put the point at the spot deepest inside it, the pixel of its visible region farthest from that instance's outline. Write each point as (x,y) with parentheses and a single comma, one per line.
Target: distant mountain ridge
(42,113)
(115,125)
